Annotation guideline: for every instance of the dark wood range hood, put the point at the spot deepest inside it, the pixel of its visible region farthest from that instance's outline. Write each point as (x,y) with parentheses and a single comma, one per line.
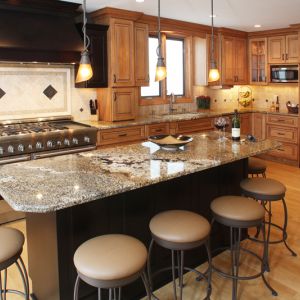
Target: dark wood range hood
(39,31)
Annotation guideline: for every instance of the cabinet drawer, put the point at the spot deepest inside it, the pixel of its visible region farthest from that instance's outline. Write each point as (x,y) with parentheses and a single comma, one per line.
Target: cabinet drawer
(283,120)
(286,151)
(155,129)
(283,134)
(194,125)
(121,135)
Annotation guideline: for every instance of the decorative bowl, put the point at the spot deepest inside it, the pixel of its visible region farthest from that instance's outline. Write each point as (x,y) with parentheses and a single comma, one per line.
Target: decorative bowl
(170,142)
(292,108)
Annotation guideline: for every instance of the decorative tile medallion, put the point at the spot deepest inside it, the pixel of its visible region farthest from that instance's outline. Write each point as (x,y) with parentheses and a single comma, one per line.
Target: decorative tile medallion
(2,93)
(50,92)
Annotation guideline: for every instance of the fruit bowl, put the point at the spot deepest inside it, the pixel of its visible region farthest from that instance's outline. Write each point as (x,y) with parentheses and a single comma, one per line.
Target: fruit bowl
(170,142)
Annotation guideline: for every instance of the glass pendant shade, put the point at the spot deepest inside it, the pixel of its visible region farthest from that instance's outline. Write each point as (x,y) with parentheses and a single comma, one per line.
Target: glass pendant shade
(85,71)
(161,70)
(213,75)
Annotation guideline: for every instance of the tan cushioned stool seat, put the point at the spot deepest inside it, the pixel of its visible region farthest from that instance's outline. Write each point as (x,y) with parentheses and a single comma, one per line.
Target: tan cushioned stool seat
(263,186)
(110,257)
(256,166)
(179,226)
(237,208)
(11,243)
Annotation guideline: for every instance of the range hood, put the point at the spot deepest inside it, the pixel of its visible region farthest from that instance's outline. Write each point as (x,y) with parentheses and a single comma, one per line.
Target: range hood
(39,31)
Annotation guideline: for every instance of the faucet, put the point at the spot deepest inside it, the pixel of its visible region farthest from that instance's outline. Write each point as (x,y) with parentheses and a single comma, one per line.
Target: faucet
(171,103)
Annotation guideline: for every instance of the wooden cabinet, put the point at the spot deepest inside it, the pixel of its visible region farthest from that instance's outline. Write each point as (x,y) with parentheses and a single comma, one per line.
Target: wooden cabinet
(259,125)
(141,36)
(283,49)
(98,56)
(190,126)
(258,61)
(234,60)
(117,104)
(120,135)
(155,129)
(121,63)
(246,123)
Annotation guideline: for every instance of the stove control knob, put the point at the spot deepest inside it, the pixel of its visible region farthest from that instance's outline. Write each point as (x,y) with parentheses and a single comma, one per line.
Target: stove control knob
(50,144)
(66,142)
(1,151)
(10,149)
(39,145)
(58,143)
(75,141)
(86,139)
(30,147)
(21,148)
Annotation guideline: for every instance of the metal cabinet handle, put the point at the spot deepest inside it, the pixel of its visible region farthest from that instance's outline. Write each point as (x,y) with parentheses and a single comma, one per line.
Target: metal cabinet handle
(115,78)
(279,149)
(158,130)
(286,56)
(280,133)
(115,96)
(282,56)
(123,134)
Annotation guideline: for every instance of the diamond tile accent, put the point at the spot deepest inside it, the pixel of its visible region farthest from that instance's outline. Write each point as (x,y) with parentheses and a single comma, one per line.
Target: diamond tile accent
(50,92)
(2,93)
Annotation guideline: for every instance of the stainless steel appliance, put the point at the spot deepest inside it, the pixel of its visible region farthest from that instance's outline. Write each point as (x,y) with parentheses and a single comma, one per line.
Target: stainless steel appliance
(33,139)
(284,73)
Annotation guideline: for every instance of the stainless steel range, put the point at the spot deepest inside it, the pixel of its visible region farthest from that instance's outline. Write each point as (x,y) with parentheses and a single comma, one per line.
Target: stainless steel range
(33,139)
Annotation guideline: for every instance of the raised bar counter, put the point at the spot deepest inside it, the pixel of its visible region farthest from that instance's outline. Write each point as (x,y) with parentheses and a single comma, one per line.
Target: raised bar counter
(69,199)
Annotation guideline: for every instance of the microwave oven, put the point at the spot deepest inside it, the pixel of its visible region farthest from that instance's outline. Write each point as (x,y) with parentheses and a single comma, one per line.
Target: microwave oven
(281,73)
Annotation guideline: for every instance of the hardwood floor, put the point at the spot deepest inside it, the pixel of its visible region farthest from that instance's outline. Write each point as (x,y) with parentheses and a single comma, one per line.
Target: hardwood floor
(285,269)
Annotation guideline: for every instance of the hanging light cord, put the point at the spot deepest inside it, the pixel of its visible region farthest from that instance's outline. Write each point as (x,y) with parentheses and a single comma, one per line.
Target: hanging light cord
(158,50)
(86,39)
(212,32)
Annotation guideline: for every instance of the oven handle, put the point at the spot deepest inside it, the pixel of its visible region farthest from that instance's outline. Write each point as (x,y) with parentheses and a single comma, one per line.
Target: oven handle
(61,152)
(14,159)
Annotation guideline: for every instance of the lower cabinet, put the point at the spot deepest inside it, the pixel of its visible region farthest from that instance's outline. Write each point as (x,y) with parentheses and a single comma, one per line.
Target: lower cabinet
(156,129)
(246,123)
(259,125)
(191,126)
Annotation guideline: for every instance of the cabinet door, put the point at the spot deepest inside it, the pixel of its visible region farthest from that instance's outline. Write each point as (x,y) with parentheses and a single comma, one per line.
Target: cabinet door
(259,125)
(246,124)
(141,35)
(123,104)
(122,53)
(241,61)
(292,48)
(228,60)
(276,49)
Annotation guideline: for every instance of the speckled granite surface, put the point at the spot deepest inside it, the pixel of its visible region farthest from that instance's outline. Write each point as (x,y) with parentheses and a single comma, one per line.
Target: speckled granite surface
(143,120)
(55,183)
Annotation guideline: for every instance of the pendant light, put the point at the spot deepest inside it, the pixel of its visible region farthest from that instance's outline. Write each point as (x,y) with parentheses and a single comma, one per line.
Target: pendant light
(161,71)
(213,74)
(85,71)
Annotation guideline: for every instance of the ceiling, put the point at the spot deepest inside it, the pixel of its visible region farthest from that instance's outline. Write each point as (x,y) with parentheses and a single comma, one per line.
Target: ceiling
(237,14)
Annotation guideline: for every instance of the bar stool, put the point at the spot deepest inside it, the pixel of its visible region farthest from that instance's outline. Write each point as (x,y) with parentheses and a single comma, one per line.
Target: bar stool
(11,247)
(238,213)
(180,230)
(256,167)
(110,262)
(268,190)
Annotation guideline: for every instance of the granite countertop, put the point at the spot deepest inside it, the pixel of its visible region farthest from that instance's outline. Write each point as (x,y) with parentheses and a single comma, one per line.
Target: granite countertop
(55,183)
(143,120)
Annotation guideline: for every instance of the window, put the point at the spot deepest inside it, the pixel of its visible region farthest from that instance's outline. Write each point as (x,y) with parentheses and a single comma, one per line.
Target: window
(175,66)
(178,77)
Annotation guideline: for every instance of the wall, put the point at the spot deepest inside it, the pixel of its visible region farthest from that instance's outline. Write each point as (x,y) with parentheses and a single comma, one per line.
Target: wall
(22,88)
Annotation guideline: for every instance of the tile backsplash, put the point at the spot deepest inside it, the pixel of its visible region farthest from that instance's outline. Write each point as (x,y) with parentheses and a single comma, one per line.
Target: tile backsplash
(29,91)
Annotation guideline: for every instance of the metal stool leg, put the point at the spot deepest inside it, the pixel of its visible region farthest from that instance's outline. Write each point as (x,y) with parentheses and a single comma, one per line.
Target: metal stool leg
(209,270)
(235,239)
(26,277)
(5,284)
(76,288)
(110,294)
(181,273)
(173,274)
(146,284)
(99,294)
(149,265)
(284,234)
(0,286)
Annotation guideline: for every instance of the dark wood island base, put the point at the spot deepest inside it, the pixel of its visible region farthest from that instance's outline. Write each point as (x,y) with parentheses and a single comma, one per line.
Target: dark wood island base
(54,237)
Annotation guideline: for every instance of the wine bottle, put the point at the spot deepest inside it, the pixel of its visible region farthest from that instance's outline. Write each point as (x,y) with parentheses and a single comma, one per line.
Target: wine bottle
(236,127)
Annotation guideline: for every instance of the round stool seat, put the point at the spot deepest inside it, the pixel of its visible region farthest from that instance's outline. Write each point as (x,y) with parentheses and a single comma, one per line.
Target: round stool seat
(263,188)
(12,241)
(256,166)
(179,226)
(237,208)
(110,257)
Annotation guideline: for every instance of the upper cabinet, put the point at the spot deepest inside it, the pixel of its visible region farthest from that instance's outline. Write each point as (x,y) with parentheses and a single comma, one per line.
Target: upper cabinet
(283,49)
(234,60)
(258,61)
(121,62)
(98,56)
(141,34)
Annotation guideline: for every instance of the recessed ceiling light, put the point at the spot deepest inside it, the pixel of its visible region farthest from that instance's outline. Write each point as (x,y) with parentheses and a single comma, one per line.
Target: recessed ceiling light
(213,16)
(139,0)
(257,25)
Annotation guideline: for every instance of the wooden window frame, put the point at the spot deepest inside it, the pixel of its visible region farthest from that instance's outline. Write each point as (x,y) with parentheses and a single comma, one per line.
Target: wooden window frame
(188,59)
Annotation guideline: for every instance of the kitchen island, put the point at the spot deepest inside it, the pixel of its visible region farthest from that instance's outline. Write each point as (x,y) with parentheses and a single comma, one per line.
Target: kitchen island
(69,199)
